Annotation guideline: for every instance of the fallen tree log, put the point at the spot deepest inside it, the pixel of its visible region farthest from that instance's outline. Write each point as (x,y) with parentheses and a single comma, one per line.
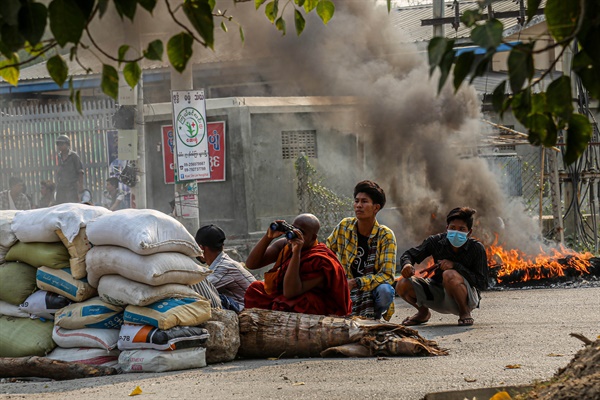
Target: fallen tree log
(266,334)
(42,367)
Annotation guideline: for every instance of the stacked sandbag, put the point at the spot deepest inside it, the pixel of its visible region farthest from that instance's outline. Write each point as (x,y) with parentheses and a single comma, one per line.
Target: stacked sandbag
(36,279)
(143,261)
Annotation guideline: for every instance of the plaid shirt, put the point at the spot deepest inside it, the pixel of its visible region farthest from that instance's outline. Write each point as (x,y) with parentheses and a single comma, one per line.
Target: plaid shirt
(21,202)
(343,241)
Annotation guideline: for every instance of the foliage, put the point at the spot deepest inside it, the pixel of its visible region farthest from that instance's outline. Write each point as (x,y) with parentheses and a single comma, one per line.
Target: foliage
(315,198)
(573,24)
(23,26)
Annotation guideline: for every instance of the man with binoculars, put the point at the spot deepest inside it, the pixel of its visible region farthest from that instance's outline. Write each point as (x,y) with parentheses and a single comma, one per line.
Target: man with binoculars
(307,276)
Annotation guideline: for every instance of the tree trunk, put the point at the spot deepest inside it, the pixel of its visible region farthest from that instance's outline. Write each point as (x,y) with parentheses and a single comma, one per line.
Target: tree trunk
(43,367)
(265,334)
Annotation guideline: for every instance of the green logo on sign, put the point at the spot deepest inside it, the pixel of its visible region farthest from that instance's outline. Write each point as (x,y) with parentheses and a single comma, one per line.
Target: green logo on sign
(190,124)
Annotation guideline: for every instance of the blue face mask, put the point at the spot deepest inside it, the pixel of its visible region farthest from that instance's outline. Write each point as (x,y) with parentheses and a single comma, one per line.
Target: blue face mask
(456,238)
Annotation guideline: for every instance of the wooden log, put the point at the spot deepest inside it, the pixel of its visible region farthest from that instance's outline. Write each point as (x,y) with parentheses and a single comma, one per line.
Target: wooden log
(42,367)
(266,334)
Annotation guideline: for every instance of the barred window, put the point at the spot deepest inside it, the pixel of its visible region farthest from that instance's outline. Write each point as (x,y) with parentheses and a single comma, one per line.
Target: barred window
(295,142)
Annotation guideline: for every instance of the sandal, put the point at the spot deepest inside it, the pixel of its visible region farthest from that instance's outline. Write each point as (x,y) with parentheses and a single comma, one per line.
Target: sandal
(466,321)
(412,321)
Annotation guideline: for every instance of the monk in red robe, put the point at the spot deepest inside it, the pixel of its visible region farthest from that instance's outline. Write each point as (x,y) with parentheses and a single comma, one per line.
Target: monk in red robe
(307,276)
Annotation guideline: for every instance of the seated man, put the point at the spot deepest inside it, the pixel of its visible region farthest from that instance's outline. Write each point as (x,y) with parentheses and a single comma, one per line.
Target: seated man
(307,277)
(229,277)
(460,272)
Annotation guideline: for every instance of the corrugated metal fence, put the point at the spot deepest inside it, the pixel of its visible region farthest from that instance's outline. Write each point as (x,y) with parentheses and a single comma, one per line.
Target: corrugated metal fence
(27,148)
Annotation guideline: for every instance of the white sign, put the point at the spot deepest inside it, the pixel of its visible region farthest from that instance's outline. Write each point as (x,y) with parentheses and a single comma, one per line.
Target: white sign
(191,142)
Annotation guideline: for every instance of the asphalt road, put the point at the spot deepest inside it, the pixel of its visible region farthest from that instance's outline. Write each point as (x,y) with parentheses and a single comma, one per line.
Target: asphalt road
(526,329)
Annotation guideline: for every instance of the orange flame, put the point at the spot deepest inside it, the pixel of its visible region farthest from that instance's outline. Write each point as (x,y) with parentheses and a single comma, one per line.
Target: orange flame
(515,265)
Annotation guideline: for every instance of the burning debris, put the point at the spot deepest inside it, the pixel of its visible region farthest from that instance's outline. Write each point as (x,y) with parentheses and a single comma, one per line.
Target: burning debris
(510,267)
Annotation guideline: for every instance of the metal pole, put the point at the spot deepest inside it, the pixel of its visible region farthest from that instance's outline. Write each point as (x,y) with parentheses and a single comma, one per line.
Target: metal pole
(438,12)
(542,189)
(141,194)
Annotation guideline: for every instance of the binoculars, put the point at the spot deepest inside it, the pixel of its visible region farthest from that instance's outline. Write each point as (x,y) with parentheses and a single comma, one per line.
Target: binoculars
(284,227)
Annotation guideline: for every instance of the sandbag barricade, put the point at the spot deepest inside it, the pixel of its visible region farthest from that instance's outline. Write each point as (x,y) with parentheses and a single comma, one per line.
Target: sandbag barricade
(43,304)
(7,236)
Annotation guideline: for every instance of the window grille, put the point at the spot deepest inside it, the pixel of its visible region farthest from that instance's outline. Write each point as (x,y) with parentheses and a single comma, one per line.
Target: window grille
(294,143)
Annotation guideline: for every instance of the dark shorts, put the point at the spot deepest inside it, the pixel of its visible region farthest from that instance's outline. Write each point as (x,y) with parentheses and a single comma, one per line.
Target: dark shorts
(433,295)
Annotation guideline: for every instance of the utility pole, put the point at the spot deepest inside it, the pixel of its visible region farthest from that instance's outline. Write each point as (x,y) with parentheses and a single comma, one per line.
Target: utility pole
(438,12)
(188,190)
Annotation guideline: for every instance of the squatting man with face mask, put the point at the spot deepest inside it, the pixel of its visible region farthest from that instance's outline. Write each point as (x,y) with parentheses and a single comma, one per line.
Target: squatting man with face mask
(458,275)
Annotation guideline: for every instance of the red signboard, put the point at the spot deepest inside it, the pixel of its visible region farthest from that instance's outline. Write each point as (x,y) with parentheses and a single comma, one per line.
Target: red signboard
(216,152)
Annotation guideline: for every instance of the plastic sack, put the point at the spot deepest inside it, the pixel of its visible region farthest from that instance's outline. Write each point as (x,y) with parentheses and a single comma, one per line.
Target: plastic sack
(149,337)
(168,313)
(162,361)
(43,304)
(115,289)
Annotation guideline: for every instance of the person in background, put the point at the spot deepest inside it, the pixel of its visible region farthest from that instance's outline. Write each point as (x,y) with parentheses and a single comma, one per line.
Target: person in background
(69,175)
(229,277)
(460,272)
(367,250)
(47,189)
(307,277)
(14,198)
(113,198)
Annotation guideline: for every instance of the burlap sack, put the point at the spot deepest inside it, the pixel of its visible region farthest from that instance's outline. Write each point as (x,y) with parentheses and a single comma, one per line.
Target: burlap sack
(154,269)
(143,232)
(40,225)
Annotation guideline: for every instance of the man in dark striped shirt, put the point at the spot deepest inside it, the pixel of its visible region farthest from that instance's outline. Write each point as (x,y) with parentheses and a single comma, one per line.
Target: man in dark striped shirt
(455,280)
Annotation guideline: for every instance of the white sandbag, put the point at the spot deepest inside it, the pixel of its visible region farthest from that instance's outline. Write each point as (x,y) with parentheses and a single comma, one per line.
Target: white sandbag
(10,310)
(43,304)
(61,281)
(162,361)
(77,249)
(7,236)
(40,225)
(168,313)
(92,313)
(120,291)
(106,339)
(154,269)
(89,356)
(143,232)
(148,337)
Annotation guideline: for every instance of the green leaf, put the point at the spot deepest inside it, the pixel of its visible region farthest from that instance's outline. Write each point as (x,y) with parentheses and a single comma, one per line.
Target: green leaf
(200,15)
(122,52)
(463,66)
(551,134)
(488,35)
(212,4)
(242,36)
(154,50)
(325,10)
(280,25)
(498,98)
(445,67)
(148,5)
(538,103)
(470,17)
(58,70)
(310,5)
(35,50)
(12,39)
(126,8)
(179,50)
(389,6)
(436,49)
(10,74)
(482,66)
(521,105)
(520,66)
(299,22)
(258,3)
(223,26)
(110,81)
(32,22)
(66,21)
(561,17)
(271,10)
(579,134)
(532,7)
(588,71)
(102,7)
(299,3)
(559,98)
(86,7)
(132,73)
(9,12)
(78,102)
(538,128)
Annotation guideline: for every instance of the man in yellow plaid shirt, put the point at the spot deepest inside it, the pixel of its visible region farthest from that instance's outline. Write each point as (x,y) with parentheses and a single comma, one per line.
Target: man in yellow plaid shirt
(367,250)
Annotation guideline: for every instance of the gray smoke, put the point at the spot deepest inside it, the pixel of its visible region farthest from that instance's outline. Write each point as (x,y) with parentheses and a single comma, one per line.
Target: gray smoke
(420,144)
